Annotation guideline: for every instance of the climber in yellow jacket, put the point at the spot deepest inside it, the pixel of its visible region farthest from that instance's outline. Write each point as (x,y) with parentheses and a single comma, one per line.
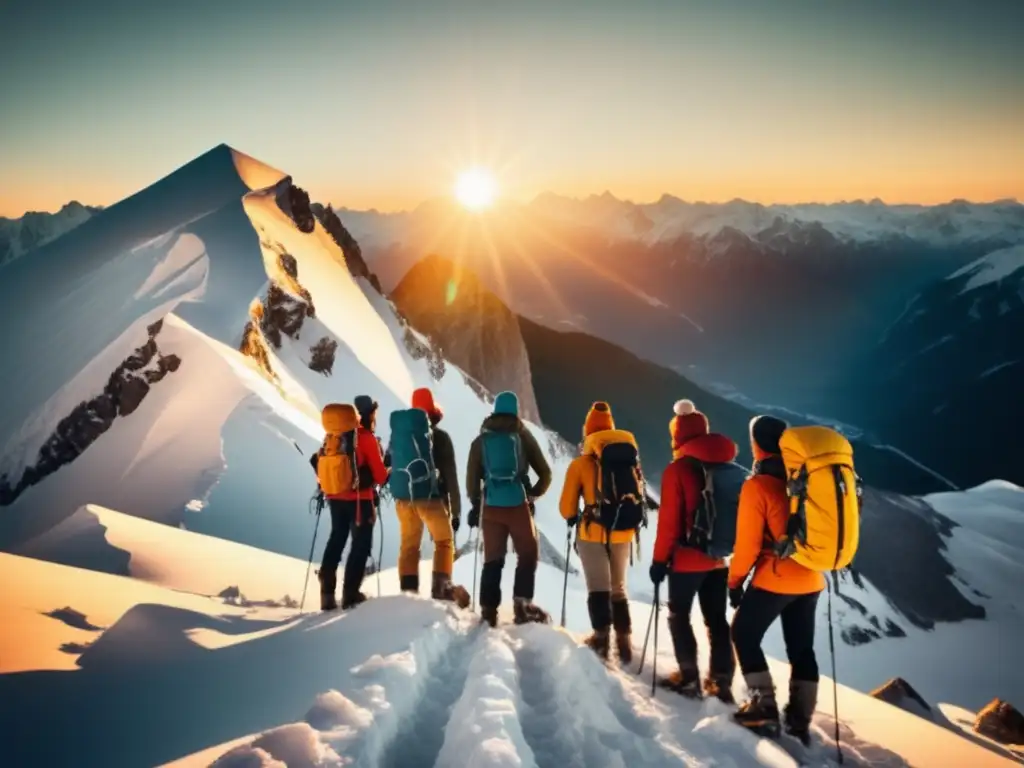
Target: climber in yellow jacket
(603,550)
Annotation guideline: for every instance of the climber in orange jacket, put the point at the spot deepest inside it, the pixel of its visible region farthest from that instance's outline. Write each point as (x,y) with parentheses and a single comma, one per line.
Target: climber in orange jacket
(691,573)
(604,554)
(779,588)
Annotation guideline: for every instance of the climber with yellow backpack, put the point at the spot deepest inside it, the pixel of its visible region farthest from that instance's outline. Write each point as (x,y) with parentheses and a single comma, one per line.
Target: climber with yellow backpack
(349,465)
(798,518)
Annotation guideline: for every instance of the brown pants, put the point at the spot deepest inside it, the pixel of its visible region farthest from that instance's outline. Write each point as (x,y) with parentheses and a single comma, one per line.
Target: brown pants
(604,573)
(412,515)
(498,525)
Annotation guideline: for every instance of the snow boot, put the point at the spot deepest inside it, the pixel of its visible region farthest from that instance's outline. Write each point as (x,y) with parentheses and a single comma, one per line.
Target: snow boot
(409,583)
(489,615)
(803,700)
(623,627)
(760,713)
(443,589)
(351,601)
(599,608)
(328,582)
(720,688)
(526,612)
(685,683)
(598,642)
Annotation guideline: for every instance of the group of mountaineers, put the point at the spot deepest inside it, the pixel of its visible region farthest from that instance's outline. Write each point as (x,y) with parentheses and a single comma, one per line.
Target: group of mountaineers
(779,526)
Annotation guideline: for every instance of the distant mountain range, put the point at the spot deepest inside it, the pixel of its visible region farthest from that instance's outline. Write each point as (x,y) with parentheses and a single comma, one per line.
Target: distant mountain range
(21,235)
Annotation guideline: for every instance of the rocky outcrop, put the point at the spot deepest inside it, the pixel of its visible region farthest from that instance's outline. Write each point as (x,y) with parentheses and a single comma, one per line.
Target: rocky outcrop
(349,247)
(429,351)
(899,693)
(124,391)
(1001,721)
(469,326)
(294,201)
(322,354)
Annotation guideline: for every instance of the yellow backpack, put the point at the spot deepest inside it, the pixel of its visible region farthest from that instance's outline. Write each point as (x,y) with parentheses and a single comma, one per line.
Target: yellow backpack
(336,465)
(824,498)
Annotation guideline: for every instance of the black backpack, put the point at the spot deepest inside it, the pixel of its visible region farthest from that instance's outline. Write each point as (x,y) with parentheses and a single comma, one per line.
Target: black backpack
(620,489)
(713,531)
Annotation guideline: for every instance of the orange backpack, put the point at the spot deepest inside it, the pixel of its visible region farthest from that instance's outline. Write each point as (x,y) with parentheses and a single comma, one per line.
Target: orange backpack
(336,465)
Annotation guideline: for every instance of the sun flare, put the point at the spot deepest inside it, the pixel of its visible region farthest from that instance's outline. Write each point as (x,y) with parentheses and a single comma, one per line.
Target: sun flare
(476,189)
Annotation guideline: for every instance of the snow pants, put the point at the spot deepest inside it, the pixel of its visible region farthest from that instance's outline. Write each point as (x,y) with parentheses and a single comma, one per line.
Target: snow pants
(711,590)
(758,610)
(498,525)
(412,517)
(347,518)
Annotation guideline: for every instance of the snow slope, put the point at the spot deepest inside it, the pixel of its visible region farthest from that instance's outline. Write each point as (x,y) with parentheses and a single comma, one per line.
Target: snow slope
(992,268)
(400,681)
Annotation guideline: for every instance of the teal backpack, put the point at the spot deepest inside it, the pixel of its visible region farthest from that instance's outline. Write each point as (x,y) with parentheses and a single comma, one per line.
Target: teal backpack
(504,474)
(413,474)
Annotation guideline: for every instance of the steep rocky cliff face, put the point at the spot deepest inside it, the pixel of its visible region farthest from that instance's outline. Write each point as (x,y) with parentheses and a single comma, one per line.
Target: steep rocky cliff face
(124,391)
(353,253)
(470,326)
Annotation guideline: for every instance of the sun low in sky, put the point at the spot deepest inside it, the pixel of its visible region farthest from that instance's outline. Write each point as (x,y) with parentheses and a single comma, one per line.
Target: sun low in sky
(476,189)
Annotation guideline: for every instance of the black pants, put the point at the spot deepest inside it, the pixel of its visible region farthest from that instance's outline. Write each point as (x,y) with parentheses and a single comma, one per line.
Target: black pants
(343,520)
(757,612)
(711,589)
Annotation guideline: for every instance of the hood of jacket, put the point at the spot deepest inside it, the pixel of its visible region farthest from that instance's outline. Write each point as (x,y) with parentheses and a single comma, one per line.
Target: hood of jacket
(501,422)
(712,448)
(594,443)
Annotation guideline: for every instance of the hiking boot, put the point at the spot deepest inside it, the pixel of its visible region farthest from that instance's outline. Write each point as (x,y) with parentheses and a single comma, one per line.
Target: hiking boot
(684,683)
(526,612)
(351,601)
(797,715)
(760,713)
(328,582)
(443,589)
(623,627)
(720,688)
(409,583)
(489,615)
(598,642)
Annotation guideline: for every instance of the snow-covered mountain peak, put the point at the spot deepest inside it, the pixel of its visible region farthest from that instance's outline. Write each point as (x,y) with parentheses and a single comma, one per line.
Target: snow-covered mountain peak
(1004,264)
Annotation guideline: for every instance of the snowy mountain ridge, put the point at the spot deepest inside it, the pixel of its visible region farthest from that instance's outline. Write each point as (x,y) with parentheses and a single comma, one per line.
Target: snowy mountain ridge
(36,228)
(231,274)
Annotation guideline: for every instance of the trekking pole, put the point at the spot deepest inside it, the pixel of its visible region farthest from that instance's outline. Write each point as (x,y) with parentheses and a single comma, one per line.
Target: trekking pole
(565,582)
(835,683)
(654,661)
(380,552)
(319,498)
(647,635)
(476,554)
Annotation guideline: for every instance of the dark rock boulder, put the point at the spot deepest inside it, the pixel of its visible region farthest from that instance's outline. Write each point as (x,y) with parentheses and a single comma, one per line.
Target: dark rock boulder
(1000,721)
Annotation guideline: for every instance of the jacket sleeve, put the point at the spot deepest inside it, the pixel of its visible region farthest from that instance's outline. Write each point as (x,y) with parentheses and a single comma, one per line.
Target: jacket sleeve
(750,519)
(445,461)
(474,473)
(538,463)
(569,503)
(370,449)
(314,460)
(668,516)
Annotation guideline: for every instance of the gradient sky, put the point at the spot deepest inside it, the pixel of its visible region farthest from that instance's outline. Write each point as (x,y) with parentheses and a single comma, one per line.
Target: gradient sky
(378,103)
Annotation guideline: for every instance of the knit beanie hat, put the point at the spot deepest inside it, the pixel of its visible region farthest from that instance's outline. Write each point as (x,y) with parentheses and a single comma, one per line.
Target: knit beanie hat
(599,418)
(765,432)
(423,399)
(506,403)
(687,423)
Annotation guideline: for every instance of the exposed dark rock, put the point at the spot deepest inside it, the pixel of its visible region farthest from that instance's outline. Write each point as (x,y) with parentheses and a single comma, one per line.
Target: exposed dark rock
(899,693)
(123,393)
(294,201)
(1001,721)
(349,247)
(322,356)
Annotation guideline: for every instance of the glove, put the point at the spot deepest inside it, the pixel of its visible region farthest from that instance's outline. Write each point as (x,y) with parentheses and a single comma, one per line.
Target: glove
(658,572)
(474,517)
(455,524)
(735,596)
(573,521)
(533,506)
